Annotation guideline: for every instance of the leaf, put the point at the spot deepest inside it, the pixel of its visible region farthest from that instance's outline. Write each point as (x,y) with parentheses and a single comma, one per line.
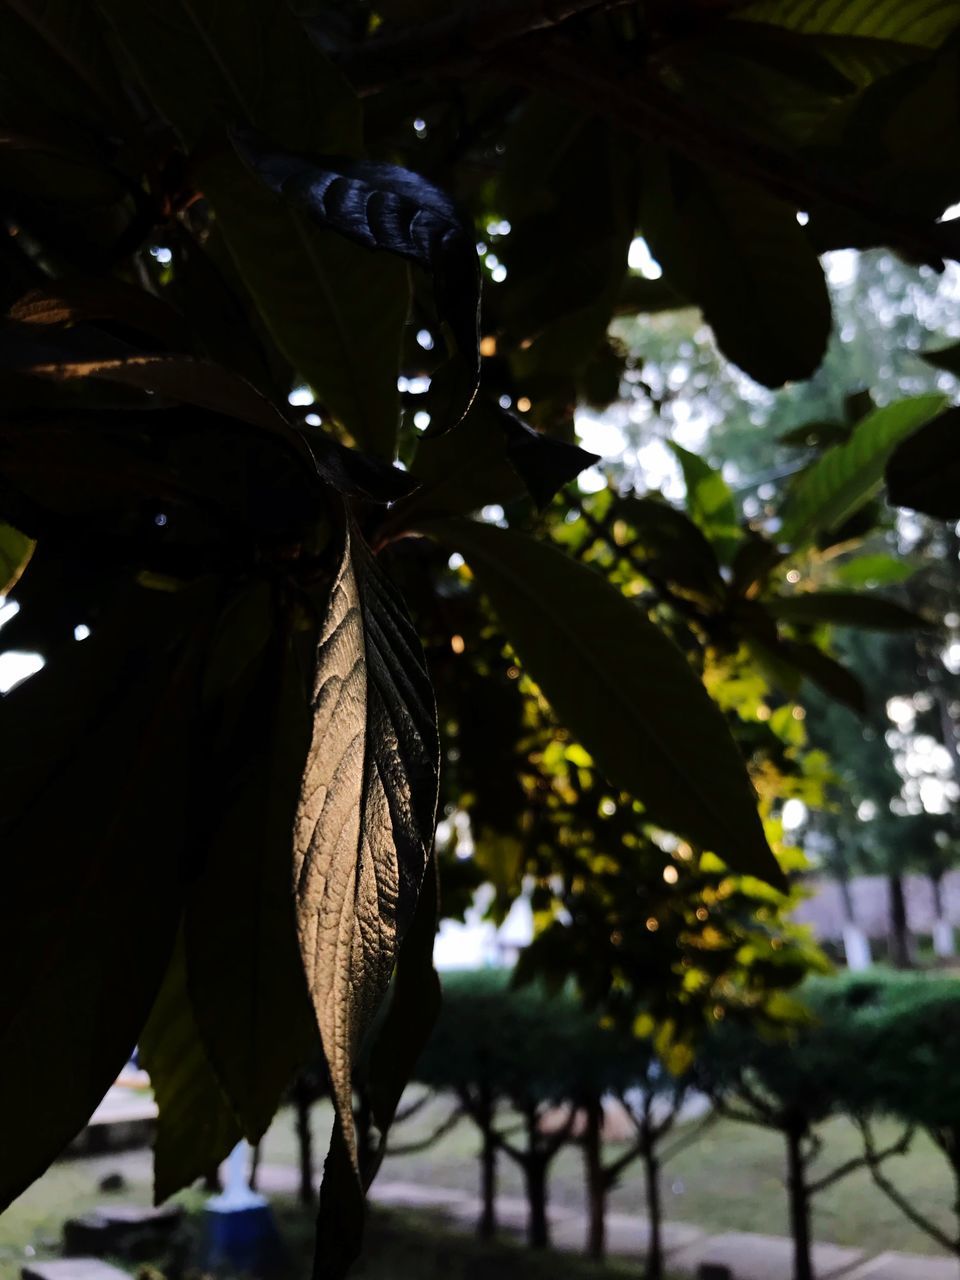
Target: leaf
(923,473)
(197,382)
(196,1130)
(921,22)
(15,552)
(92,832)
(412,1007)
(411,1011)
(544,464)
(830,676)
(876,570)
(623,689)
(945,358)
(335,311)
(738,253)
(462,470)
(709,502)
(383,206)
(844,609)
(240,905)
(670,547)
(848,475)
(78,298)
(367,808)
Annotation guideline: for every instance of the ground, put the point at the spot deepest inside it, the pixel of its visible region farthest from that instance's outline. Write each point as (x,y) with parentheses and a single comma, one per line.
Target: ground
(729,1180)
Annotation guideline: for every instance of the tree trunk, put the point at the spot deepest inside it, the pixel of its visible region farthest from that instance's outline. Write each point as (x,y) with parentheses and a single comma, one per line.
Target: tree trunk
(900,951)
(651,1171)
(487,1226)
(799,1207)
(301,1098)
(595,1179)
(538,1226)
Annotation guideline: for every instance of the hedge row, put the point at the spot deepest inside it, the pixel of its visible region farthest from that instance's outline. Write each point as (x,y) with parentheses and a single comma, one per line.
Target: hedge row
(882,1044)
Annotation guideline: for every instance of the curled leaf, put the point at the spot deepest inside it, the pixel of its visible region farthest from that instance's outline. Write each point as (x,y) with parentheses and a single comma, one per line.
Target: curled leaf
(383,206)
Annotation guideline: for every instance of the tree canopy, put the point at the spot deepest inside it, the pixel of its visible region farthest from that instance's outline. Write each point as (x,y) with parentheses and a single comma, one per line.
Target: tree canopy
(299,302)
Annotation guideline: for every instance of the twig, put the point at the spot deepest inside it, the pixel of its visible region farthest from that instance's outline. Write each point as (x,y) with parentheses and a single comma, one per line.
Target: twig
(440,1131)
(897,1148)
(897,1197)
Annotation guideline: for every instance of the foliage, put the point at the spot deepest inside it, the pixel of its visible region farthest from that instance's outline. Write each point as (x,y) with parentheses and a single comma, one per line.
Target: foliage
(211,217)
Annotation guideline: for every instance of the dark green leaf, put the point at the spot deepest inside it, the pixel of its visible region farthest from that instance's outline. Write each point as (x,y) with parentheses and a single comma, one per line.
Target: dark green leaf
(544,464)
(738,253)
(647,297)
(463,470)
(196,1129)
(622,687)
(669,546)
(382,206)
(946,358)
(844,609)
(830,676)
(336,311)
(848,475)
(367,808)
(80,298)
(709,502)
(923,473)
(97,767)
(240,905)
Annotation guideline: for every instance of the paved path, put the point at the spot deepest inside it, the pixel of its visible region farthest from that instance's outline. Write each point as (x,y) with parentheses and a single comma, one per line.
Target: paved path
(687,1247)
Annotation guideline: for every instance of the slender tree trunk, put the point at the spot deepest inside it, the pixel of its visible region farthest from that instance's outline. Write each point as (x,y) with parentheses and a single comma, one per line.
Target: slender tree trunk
(301,1098)
(535,1175)
(799,1207)
(595,1179)
(900,952)
(487,1226)
(651,1171)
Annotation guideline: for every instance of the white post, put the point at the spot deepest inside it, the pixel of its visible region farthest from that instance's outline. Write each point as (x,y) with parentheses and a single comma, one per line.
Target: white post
(856,946)
(237,1193)
(944,940)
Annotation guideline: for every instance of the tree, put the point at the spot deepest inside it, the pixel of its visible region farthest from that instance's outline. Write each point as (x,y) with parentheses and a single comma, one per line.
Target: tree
(232,749)
(792,1084)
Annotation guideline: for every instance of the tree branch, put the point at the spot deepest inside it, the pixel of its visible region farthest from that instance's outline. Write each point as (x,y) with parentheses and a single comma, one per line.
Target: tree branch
(439,1131)
(690,1135)
(859,1162)
(408,1112)
(897,1197)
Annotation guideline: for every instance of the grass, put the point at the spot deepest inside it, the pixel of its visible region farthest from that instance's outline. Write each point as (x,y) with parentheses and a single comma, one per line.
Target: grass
(397,1247)
(730,1179)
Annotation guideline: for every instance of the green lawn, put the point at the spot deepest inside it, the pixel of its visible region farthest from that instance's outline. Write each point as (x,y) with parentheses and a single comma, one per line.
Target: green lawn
(730,1179)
